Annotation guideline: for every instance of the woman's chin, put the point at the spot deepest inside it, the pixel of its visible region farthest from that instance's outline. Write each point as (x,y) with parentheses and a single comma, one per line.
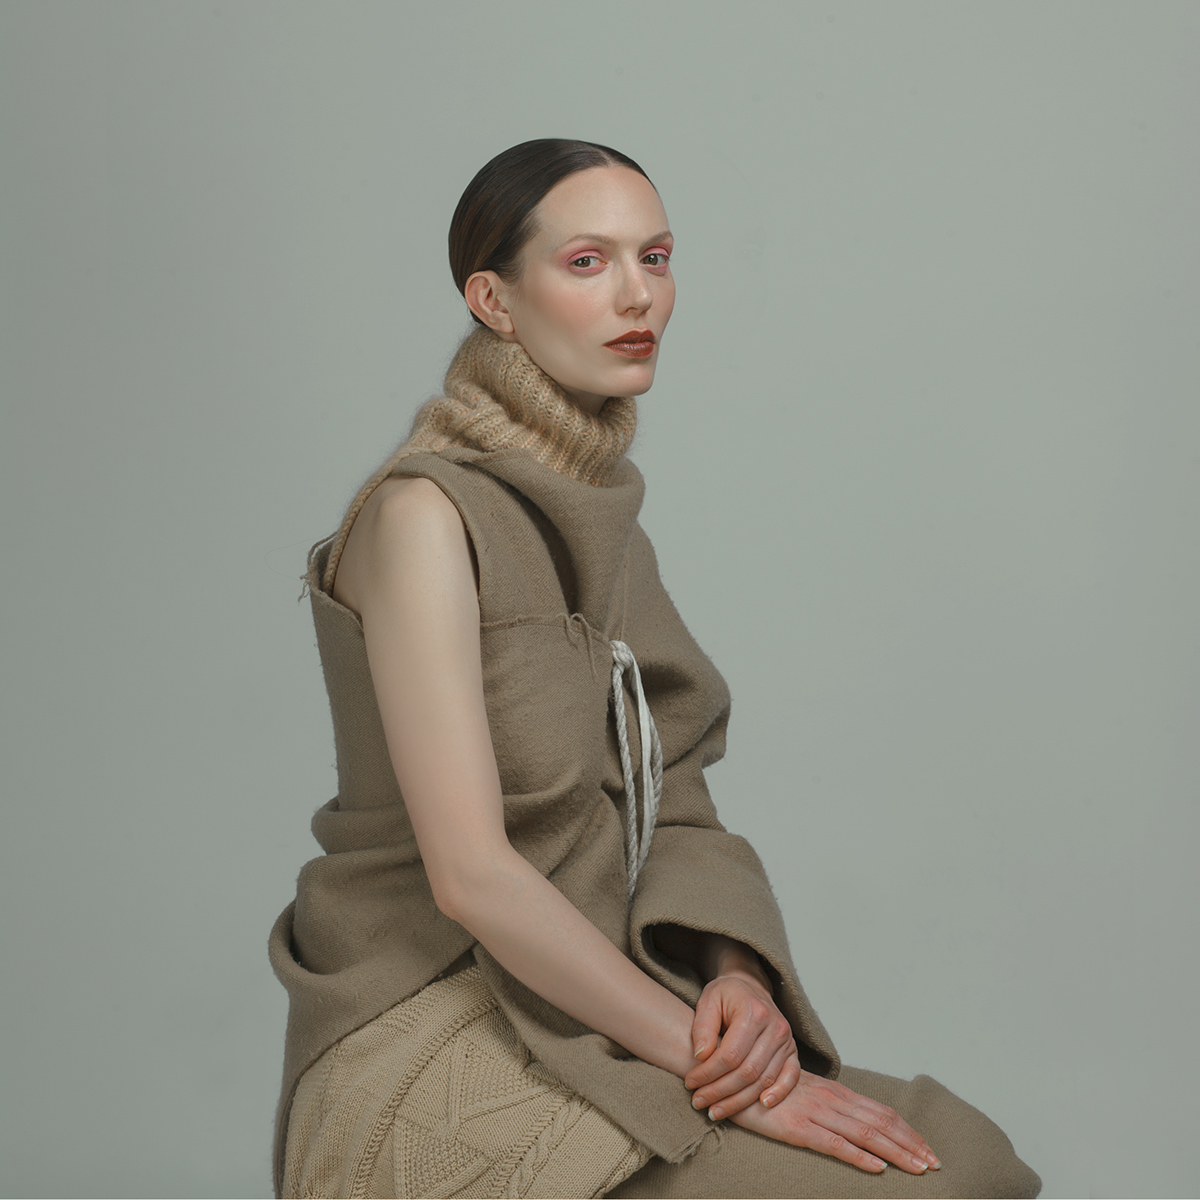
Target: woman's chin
(634,379)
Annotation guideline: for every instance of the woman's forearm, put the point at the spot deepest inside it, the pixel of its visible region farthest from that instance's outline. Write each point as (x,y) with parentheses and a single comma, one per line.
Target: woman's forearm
(540,937)
(710,954)
(724,956)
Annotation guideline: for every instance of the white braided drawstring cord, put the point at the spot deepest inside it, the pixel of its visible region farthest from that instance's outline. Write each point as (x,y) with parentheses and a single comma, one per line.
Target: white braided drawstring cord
(636,850)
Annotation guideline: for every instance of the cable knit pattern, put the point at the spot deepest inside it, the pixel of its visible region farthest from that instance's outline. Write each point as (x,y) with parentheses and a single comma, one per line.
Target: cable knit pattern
(498,398)
(437,1097)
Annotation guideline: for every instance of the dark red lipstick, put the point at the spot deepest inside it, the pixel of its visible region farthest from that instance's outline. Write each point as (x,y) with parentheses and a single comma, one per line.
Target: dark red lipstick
(637,343)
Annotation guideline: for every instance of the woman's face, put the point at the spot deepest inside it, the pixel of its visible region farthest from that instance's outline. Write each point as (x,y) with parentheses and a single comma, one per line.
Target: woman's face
(598,268)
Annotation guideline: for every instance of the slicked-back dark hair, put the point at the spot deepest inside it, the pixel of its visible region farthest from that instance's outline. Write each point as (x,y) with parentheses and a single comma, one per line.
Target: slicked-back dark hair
(495,218)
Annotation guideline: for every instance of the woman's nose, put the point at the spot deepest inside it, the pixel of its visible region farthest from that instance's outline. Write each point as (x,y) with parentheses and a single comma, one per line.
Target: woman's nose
(634,292)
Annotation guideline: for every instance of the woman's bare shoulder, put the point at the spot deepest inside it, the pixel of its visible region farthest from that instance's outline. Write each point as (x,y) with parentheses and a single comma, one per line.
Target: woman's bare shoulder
(408,498)
(401,512)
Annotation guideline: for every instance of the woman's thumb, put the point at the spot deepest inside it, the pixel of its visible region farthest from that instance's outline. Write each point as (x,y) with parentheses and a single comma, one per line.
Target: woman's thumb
(705,1028)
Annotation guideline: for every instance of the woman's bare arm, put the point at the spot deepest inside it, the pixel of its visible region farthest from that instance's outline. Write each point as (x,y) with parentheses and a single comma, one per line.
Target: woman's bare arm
(415,590)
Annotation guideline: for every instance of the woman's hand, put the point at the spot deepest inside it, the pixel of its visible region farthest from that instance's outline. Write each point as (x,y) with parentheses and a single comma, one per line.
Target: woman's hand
(824,1115)
(753,1059)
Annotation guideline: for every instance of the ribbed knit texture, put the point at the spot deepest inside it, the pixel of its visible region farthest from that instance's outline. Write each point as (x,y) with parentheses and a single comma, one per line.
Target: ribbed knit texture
(498,398)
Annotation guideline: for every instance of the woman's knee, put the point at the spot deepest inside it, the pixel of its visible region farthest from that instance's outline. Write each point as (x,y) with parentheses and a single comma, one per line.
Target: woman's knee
(977,1157)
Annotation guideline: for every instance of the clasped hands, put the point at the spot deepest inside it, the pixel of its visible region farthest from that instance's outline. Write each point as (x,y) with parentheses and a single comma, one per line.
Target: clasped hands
(749,1071)
(744,1045)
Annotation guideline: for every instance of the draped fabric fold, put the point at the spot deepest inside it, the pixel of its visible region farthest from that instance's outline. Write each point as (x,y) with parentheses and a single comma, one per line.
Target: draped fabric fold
(567,577)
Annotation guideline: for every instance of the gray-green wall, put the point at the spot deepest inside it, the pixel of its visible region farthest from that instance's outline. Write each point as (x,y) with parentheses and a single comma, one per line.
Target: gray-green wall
(921,458)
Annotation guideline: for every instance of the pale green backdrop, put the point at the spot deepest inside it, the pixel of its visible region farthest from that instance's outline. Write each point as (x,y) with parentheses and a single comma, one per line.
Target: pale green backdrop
(922,462)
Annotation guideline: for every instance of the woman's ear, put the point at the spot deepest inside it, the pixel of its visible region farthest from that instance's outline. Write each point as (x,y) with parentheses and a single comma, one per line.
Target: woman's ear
(485,294)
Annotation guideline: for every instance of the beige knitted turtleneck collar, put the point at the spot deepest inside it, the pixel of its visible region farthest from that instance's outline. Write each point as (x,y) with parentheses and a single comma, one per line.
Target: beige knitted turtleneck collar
(498,398)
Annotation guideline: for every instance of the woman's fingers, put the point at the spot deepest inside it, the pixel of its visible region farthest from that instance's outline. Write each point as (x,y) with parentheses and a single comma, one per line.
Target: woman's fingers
(752,1037)
(872,1140)
(724,1006)
(889,1122)
(789,1076)
(878,1130)
(828,1117)
(730,1069)
(735,1045)
(735,1101)
(706,1026)
(738,1061)
(836,1146)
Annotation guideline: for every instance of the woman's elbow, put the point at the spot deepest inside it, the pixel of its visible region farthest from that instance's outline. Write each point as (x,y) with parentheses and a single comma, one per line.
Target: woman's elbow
(448,899)
(469,888)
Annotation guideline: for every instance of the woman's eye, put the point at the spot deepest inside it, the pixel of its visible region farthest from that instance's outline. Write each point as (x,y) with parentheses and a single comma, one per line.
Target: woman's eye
(656,258)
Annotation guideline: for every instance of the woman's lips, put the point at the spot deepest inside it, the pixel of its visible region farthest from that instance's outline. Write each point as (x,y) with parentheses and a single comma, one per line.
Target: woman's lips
(637,343)
(633,349)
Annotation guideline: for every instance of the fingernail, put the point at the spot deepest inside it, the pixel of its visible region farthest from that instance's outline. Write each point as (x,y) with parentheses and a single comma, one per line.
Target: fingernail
(697,1102)
(767,1100)
(716,1112)
(935,1162)
(700,1048)
(920,1164)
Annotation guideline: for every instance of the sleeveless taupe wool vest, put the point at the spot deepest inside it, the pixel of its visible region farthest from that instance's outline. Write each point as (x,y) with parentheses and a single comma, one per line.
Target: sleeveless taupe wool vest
(550,503)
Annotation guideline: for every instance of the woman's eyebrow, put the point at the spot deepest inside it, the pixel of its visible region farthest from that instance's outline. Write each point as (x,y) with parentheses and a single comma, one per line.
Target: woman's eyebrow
(607,241)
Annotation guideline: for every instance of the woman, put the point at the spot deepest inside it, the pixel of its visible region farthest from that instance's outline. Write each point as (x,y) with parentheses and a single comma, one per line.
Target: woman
(532,961)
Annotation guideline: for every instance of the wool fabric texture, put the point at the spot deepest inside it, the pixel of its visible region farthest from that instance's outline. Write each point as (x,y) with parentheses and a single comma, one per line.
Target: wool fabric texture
(550,503)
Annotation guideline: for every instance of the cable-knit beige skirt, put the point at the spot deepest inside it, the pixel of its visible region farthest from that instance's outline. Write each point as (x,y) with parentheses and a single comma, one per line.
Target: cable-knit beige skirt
(437,1097)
